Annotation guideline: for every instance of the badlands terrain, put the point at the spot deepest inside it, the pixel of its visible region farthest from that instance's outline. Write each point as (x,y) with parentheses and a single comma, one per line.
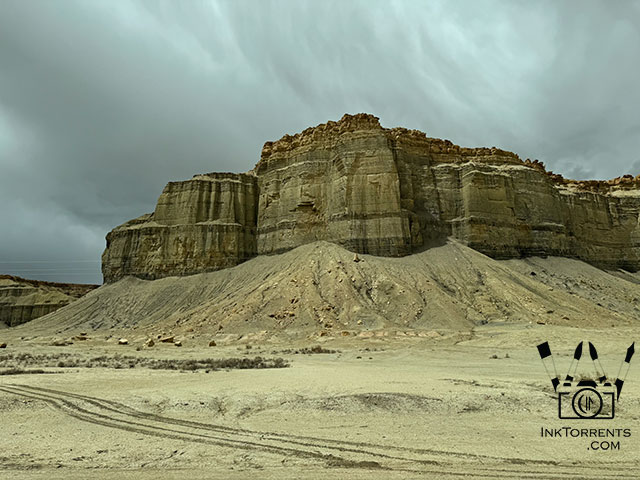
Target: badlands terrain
(423,366)
(365,303)
(22,300)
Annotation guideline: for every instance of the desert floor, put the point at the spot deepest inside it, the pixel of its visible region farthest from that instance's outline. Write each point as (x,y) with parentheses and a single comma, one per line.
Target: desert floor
(382,407)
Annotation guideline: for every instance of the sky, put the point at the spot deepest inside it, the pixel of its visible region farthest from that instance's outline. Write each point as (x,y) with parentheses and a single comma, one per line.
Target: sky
(102,102)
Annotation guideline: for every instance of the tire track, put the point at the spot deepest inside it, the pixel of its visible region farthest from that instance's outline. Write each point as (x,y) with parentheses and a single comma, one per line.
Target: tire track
(59,402)
(332,452)
(98,419)
(126,410)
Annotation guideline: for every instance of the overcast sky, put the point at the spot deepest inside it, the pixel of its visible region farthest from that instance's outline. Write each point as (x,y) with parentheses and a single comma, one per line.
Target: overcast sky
(103,102)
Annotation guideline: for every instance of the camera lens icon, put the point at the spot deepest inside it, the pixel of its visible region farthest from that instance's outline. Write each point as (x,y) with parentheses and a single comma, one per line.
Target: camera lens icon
(587,403)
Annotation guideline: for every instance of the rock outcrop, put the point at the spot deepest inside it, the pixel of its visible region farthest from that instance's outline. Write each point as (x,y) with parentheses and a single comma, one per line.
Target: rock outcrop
(387,192)
(22,300)
(203,224)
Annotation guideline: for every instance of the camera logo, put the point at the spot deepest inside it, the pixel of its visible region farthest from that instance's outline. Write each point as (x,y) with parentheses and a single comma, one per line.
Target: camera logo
(585,398)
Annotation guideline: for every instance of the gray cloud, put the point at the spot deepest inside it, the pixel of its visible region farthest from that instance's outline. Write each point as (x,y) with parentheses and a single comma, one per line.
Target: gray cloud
(102,103)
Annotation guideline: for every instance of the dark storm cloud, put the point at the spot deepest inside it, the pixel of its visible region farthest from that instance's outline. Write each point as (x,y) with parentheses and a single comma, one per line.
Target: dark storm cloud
(102,103)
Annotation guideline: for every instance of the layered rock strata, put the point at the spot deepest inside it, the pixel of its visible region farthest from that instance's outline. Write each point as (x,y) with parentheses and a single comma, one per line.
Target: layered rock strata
(388,192)
(22,300)
(203,224)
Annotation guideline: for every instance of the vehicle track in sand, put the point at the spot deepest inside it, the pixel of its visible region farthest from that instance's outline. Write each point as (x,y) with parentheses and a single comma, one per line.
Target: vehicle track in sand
(334,453)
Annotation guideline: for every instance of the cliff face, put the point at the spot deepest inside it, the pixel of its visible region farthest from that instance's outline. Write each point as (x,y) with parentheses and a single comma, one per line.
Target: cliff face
(22,300)
(507,208)
(199,225)
(337,182)
(387,192)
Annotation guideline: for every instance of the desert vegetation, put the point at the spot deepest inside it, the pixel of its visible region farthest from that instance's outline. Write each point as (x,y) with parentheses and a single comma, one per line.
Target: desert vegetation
(17,361)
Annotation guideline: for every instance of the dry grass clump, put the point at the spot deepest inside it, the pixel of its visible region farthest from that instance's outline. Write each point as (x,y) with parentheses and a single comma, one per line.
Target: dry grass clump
(68,360)
(21,371)
(217,364)
(309,350)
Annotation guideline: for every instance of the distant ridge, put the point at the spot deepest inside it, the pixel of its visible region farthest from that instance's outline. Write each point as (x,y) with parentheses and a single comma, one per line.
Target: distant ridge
(22,300)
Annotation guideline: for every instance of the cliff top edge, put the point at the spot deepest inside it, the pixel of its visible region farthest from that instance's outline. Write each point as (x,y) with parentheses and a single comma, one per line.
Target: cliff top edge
(44,283)
(366,121)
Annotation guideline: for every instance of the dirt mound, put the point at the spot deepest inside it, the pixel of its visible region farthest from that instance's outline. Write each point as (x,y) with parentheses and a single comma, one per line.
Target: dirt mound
(323,289)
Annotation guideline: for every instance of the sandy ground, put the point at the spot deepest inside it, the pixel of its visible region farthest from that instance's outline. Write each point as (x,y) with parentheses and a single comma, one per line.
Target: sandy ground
(436,374)
(383,408)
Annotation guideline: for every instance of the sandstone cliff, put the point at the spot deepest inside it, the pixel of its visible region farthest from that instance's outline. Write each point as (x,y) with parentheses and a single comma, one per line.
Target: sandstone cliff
(203,224)
(386,192)
(22,300)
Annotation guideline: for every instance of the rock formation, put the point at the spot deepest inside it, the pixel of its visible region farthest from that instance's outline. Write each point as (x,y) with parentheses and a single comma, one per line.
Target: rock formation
(22,300)
(387,192)
(203,224)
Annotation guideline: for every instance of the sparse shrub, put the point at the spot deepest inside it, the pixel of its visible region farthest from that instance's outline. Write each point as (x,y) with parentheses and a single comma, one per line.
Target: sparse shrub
(118,361)
(309,350)
(20,371)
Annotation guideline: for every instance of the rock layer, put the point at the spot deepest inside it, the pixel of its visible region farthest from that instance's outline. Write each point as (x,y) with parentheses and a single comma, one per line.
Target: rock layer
(386,192)
(22,300)
(338,183)
(199,225)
